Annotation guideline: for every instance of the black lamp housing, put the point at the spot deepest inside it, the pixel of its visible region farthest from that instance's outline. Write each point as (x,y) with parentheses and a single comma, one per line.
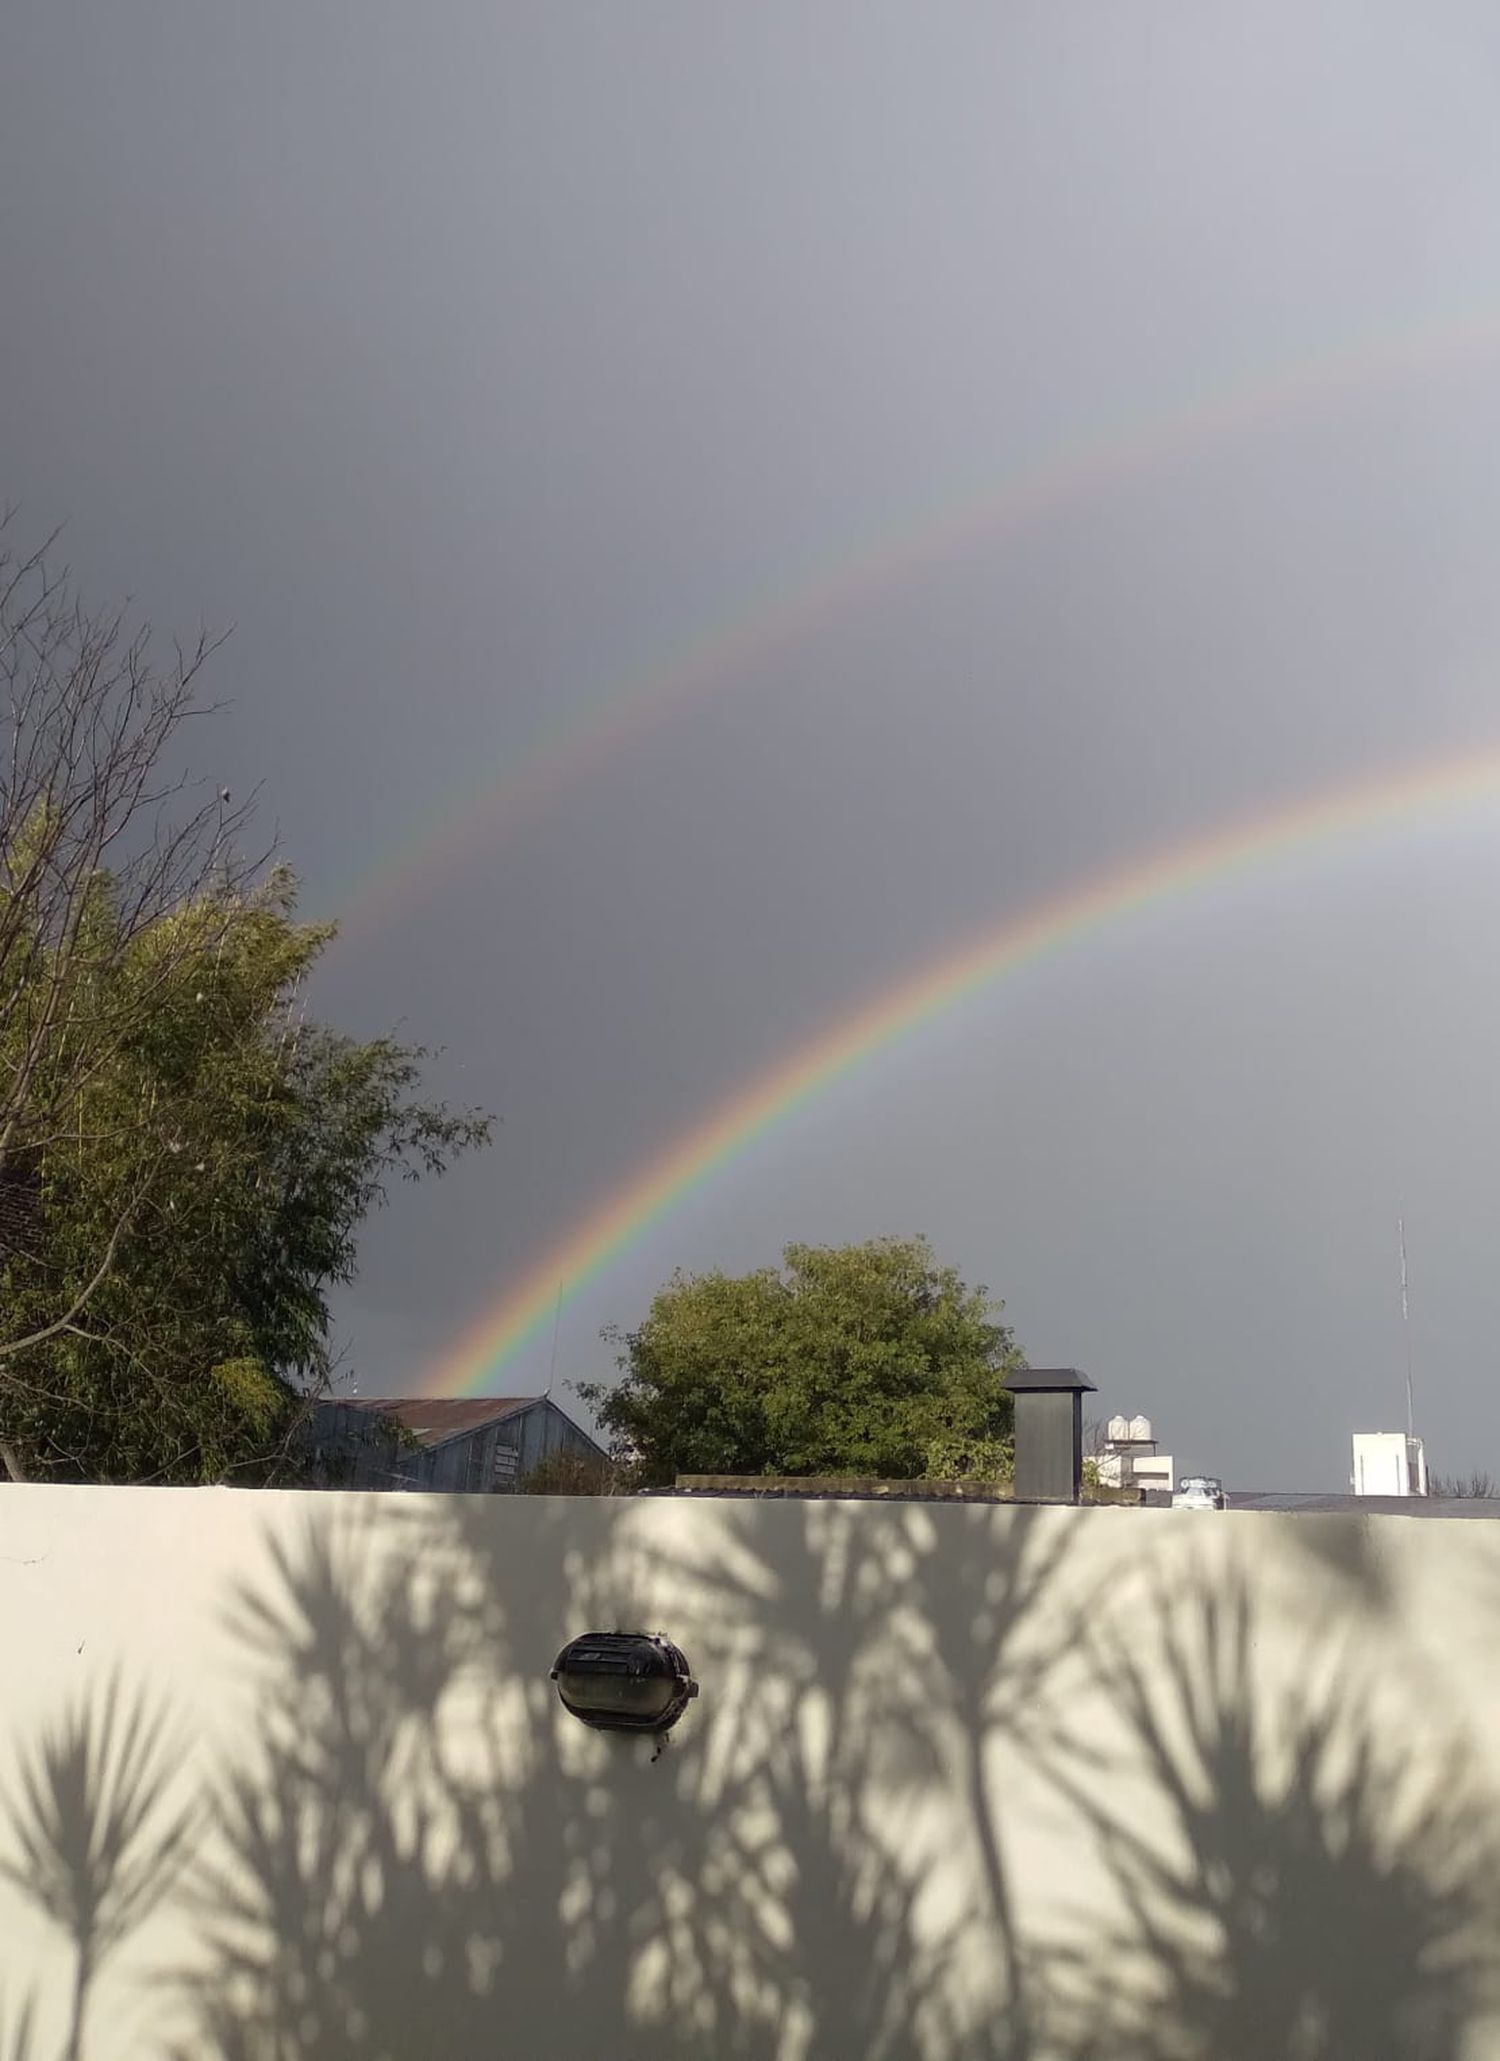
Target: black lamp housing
(624,1681)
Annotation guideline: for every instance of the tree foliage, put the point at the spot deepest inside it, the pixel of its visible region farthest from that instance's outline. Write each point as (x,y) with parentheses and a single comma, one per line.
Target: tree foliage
(103,838)
(861,1360)
(184,1162)
(226,1153)
(575,1474)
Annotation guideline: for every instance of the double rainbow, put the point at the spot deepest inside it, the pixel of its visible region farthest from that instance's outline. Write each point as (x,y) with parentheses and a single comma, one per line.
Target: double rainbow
(478,1360)
(591,731)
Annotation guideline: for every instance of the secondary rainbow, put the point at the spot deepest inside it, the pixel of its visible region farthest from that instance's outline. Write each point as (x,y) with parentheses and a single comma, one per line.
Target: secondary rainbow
(1088,465)
(479,1357)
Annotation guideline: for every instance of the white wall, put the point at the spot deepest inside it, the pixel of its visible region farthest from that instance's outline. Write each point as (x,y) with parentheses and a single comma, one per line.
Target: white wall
(962,1782)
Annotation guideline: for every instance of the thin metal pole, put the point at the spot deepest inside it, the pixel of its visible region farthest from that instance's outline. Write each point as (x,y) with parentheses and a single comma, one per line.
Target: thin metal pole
(557,1326)
(1406,1327)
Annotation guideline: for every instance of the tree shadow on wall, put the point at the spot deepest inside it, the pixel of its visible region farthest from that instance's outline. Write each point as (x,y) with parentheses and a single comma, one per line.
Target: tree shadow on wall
(17,2033)
(890,1654)
(428,1856)
(422,1854)
(96,1834)
(360,1902)
(1300,1871)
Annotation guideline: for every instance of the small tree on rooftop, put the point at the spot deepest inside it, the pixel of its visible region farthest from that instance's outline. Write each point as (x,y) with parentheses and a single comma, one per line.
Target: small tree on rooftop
(575,1474)
(1476,1484)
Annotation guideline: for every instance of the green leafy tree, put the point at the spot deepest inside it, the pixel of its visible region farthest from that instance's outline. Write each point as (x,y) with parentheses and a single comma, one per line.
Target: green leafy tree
(184,1163)
(103,839)
(860,1360)
(224,1156)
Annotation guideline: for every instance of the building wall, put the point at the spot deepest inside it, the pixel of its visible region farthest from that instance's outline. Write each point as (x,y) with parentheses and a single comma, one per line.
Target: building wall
(1049,1445)
(1155,1471)
(460,1466)
(1142,1467)
(963,1782)
(359,1451)
(543,1430)
(471,1464)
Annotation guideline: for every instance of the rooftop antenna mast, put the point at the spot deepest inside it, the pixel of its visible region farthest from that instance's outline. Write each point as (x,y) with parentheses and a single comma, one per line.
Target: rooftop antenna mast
(557,1326)
(1405,1323)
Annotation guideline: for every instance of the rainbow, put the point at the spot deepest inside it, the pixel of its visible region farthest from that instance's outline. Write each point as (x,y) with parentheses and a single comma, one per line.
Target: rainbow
(592,731)
(481,1355)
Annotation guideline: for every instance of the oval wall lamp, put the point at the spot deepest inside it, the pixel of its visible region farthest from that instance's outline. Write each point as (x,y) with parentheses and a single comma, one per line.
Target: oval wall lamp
(624,1681)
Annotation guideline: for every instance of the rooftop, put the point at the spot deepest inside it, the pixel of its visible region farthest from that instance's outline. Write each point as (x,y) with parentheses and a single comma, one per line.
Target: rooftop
(1314,1505)
(1049,1378)
(431,1420)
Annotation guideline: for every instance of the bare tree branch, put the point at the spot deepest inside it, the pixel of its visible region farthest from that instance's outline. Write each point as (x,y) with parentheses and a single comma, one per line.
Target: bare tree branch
(104,839)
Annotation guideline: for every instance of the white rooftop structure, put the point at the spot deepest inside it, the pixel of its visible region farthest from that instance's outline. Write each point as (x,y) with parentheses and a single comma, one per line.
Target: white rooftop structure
(1388,1463)
(1130,1458)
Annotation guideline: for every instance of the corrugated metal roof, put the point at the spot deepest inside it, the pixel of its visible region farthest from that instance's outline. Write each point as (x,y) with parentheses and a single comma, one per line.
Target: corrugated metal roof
(431,1420)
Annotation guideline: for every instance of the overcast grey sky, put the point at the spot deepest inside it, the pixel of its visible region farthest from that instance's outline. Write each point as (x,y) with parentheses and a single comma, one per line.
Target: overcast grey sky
(472,360)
